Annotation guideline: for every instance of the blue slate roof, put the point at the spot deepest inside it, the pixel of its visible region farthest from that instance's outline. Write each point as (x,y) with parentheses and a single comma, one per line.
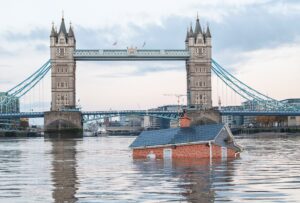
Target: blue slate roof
(175,136)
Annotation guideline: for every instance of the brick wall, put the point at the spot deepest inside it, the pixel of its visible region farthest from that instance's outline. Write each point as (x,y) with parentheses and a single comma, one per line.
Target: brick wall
(231,153)
(185,151)
(142,153)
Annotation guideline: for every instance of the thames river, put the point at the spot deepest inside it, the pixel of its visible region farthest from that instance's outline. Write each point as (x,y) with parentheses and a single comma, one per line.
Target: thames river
(101,169)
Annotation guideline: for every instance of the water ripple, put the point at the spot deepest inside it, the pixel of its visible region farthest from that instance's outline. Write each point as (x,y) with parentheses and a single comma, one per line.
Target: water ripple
(101,169)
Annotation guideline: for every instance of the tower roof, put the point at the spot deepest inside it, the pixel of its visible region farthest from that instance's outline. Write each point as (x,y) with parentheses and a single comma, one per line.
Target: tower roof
(53,31)
(63,27)
(187,35)
(198,27)
(71,33)
(207,34)
(191,33)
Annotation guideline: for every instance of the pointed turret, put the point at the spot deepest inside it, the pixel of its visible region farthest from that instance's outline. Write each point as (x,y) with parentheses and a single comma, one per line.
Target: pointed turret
(62,28)
(53,31)
(187,35)
(191,33)
(198,27)
(71,33)
(207,34)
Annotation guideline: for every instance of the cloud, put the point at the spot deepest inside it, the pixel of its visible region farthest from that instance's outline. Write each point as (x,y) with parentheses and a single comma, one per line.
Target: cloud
(142,70)
(4,52)
(170,35)
(5,82)
(41,47)
(36,33)
(272,71)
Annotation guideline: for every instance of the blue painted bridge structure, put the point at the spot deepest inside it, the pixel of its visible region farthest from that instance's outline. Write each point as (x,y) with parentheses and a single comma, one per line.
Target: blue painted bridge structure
(131,54)
(171,115)
(267,106)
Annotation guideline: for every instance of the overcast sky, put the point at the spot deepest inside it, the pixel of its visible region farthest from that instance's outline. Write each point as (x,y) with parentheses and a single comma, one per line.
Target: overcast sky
(257,40)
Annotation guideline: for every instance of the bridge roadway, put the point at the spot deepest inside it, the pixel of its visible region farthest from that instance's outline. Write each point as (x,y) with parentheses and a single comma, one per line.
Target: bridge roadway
(172,115)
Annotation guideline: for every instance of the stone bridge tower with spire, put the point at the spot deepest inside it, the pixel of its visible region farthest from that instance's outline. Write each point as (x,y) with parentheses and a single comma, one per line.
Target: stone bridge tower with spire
(198,67)
(198,70)
(63,115)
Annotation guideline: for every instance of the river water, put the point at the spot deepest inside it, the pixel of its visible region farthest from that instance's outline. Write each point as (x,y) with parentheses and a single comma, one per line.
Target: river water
(101,169)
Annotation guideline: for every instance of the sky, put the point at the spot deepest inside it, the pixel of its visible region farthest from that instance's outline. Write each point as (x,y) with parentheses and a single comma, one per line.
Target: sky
(256,40)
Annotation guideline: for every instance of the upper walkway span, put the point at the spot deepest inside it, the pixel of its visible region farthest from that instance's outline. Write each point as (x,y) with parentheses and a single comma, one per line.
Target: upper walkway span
(131,54)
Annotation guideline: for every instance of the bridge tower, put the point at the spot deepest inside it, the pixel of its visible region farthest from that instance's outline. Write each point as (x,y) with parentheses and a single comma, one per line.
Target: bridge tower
(62,46)
(198,70)
(198,67)
(63,114)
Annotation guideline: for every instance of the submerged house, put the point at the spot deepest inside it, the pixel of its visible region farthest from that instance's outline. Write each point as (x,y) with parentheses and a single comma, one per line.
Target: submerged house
(203,141)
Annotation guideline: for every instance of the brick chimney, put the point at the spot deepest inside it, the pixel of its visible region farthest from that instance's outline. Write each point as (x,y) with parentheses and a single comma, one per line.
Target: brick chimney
(184,121)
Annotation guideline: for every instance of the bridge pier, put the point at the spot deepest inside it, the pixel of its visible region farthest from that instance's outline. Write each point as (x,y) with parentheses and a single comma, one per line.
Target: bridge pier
(204,116)
(63,124)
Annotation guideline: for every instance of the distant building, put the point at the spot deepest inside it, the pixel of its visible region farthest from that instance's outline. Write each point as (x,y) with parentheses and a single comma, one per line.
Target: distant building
(127,125)
(8,104)
(155,123)
(233,121)
(131,120)
(293,120)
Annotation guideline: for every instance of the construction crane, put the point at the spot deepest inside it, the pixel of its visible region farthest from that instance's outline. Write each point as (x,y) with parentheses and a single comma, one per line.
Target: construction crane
(178,99)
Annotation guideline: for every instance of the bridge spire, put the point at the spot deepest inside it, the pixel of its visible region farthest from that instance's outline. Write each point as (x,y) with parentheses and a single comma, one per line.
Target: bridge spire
(207,34)
(187,35)
(71,33)
(53,31)
(62,28)
(191,33)
(198,27)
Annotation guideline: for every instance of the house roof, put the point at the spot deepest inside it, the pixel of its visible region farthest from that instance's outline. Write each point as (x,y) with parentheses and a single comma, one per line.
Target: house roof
(175,136)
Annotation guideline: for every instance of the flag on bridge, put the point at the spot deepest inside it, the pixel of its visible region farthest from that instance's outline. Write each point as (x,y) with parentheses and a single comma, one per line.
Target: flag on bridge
(115,43)
(144,44)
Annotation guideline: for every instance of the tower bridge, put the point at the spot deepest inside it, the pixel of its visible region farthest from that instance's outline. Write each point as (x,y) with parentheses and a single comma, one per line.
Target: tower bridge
(197,55)
(199,66)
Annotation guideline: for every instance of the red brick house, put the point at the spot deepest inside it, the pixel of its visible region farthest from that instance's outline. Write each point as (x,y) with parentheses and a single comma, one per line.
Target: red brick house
(203,141)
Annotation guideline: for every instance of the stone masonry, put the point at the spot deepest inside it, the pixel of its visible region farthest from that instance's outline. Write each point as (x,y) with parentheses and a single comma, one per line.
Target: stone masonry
(198,67)
(63,114)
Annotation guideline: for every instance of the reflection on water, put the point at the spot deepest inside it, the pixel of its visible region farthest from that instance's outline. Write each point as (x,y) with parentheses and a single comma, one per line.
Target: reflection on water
(63,173)
(191,180)
(101,169)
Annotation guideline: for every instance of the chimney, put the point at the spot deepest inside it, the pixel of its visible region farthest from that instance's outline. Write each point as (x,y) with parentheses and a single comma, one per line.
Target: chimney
(185,121)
